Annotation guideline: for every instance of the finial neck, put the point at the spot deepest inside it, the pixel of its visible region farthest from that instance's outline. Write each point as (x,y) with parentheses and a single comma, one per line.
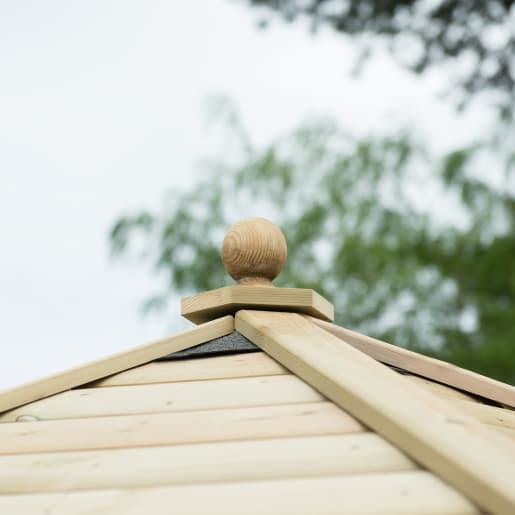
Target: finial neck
(255,281)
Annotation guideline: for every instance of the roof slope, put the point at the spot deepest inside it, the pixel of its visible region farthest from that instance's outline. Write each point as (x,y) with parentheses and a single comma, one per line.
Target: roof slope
(100,368)
(161,428)
(254,438)
(425,366)
(428,428)
(317,423)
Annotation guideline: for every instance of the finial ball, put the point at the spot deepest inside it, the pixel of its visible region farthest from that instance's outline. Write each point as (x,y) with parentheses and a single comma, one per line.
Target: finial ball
(254,251)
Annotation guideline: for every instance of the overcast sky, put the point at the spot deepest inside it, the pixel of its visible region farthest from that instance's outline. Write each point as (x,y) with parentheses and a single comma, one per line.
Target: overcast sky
(101,113)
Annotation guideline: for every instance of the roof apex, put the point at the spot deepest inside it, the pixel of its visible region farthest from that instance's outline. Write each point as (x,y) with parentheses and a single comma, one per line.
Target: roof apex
(253,253)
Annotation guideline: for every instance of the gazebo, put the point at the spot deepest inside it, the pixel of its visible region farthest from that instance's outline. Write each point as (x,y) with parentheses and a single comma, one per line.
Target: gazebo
(264,407)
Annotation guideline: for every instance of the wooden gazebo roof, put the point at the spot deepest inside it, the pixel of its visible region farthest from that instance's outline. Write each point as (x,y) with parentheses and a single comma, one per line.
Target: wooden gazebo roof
(275,410)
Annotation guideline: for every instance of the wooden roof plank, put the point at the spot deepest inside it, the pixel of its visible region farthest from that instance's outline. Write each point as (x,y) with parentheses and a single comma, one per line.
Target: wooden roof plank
(169,397)
(486,413)
(115,363)
(491,415)
(397,493)
(425,366)
(440,389)
(427,428)
(312,456)
(215,425)
(199,369)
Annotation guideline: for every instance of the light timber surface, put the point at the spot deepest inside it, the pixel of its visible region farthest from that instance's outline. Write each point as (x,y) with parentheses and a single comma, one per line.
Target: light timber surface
(214,367)
(507,432)
(400,493)
(448,442)
(312,456)
(169,397)
(440,389)
(424,366)
(486,413)
(317,418)
(224,301)
(115,363)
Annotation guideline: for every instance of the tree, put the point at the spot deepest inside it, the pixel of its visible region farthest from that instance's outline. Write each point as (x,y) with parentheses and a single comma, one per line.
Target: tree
(475,36)
(412,248)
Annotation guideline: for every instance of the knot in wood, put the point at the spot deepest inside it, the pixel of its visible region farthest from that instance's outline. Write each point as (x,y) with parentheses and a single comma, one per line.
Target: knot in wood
(254,251)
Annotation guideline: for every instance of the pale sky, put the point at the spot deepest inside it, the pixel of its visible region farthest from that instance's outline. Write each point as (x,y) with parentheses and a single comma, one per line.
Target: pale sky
(101,113)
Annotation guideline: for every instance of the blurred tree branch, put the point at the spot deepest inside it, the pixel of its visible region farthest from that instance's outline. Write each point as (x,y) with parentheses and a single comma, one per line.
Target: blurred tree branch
(477,35)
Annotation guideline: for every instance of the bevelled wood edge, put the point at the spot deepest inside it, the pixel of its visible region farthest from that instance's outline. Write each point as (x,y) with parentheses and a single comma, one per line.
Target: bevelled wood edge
(424,366)
(212,304)
(118,362)
(448,442)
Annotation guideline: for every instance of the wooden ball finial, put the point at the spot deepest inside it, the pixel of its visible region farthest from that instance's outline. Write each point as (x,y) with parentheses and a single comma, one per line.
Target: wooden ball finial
(254,252)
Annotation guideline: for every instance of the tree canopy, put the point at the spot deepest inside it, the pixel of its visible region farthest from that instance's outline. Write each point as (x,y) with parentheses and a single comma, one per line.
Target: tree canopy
(413,248)
(475,36)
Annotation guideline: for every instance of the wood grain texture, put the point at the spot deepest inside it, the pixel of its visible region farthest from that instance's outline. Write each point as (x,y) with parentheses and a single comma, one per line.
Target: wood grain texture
(115,363)
(169,397)
(176,428)
(425,366)
(441,390)
(401,493)
(209,305)
(312,456)
(491,415)
(507,432)
(488,414)
(427,428)
(254,251)
(198,369)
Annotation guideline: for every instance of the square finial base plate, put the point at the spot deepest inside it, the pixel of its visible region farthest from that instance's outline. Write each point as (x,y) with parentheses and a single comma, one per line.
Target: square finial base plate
(226,301)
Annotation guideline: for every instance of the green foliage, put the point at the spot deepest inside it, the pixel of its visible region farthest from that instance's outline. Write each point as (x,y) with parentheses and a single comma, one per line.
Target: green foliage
(411,248)
(475,37)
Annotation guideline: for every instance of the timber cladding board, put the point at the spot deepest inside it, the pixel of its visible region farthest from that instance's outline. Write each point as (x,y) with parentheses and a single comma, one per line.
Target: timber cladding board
(212,304)
(169,397)
(488,414)
(117,362)
(440,389)
(198,369)
(396,493)
(430,430)
(222,461)
(424,366)
(217,425)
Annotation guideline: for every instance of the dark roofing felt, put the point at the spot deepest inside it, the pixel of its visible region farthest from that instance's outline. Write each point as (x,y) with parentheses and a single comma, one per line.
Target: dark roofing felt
(232,343)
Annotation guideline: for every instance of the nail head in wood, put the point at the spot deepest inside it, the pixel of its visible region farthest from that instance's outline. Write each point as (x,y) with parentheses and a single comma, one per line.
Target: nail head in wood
(254,252)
